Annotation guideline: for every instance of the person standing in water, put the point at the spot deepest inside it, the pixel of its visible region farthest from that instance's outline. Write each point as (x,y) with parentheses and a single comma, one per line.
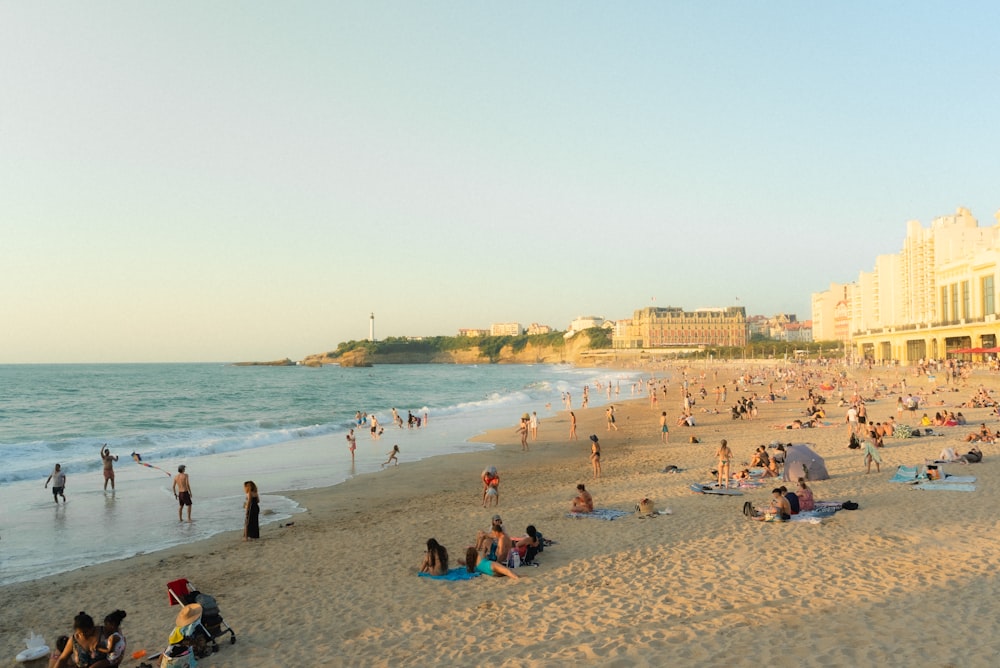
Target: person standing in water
(109,470)
(352,443)
(58,480)
(182,491)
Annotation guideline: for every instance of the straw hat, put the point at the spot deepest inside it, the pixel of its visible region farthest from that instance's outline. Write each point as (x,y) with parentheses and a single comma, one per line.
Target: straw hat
(189,614)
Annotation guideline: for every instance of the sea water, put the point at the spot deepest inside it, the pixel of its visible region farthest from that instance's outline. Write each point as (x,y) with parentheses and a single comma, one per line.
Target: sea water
(282,427)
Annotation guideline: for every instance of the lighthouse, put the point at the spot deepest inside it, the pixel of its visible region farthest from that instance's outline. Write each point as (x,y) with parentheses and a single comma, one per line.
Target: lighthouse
(371,328)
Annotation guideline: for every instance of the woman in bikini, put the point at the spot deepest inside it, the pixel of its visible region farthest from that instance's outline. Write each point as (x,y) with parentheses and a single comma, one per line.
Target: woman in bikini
(595,455)
(725,457)
(435,559)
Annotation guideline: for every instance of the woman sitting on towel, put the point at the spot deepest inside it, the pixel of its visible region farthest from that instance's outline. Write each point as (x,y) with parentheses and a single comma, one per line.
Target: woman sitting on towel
(806,501)
(473,564)
(584,502)
(435,559)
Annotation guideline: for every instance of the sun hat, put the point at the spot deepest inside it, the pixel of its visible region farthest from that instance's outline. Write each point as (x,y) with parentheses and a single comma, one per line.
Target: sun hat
(593,437)
(496,518)
(189,614)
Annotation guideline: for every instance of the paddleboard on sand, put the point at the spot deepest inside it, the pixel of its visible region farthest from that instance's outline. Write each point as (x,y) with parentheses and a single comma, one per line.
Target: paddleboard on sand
(33,653)
(708,489)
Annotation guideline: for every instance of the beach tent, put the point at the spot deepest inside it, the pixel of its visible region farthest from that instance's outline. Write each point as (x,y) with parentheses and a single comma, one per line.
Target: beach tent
(798,459)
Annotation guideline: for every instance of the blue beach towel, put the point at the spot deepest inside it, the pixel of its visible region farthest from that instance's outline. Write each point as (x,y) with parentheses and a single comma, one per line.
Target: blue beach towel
(453,575)
(600,514)
(950,486)
(907,474)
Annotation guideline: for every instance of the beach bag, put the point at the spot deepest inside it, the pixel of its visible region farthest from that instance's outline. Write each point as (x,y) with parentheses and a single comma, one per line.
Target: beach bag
(748,509)
(645,507)
(178,656)
(514,559)
(849,505)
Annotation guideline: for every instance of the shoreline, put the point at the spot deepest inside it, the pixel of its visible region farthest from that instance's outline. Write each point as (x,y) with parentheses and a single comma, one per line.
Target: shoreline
(702,584)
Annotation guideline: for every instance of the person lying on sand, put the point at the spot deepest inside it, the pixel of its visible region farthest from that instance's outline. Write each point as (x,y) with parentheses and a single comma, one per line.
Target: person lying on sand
(473,563)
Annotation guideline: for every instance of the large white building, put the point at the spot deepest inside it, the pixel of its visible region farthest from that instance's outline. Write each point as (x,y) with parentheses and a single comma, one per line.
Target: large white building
(937,294)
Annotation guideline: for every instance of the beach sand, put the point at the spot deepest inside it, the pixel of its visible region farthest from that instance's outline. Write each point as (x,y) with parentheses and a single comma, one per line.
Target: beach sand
(908,579)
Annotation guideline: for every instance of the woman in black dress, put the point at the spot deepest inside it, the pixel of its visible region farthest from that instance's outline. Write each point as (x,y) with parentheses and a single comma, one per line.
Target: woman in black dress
(251,521)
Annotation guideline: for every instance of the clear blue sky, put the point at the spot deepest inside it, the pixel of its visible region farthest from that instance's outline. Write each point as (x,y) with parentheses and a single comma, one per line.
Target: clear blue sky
(224,181)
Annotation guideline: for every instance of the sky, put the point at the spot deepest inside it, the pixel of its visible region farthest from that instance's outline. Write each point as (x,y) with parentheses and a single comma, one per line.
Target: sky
(237,181)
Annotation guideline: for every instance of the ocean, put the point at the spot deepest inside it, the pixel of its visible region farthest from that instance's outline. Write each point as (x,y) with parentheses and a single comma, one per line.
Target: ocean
(282,427)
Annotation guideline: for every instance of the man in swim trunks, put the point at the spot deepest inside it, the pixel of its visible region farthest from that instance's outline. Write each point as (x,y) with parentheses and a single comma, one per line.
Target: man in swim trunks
(182,490)
(58,480)
(109,471)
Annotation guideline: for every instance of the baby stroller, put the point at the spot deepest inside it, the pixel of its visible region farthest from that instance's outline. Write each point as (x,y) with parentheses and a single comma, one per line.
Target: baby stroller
(209,627)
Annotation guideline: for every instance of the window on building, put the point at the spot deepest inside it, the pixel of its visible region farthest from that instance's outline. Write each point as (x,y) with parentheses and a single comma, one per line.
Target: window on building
(944,302)
(954,302)
(989,304)
(966,300)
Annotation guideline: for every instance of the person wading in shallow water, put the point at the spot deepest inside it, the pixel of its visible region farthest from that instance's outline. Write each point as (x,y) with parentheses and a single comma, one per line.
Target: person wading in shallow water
(182,490)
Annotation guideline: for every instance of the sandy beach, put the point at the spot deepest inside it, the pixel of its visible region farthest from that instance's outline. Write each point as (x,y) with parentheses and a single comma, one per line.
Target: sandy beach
(908,579)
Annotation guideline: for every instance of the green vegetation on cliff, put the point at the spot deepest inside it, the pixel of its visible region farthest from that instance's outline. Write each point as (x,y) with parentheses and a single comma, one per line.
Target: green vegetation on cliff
(491,348)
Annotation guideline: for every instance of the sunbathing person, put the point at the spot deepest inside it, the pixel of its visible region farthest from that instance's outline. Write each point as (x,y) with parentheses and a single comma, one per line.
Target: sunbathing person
(473,563)
(973,456)
(583,502)
(984,434)
(435,559)
(487,542)
(779,508)
(531,542)
(806,500)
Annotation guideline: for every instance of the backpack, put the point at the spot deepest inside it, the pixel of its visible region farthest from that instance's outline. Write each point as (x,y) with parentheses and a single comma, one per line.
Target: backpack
(748,509)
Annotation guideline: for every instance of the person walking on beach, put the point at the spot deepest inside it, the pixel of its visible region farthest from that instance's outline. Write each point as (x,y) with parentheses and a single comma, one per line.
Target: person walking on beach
(533,424)
(572,426)
(58,480)
(664,429)
(182,492)
(251,519)
(109,471)
(522,429)
(392,457)
(611,418)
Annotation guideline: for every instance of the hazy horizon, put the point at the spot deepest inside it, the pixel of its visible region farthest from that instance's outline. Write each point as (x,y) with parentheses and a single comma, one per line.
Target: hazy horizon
(191,182)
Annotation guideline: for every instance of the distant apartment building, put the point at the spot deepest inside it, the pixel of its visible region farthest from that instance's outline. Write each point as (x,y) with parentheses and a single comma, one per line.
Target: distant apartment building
(473,332)
(506,329)
(656,327)
(585,322)
(937,295)
(535,328)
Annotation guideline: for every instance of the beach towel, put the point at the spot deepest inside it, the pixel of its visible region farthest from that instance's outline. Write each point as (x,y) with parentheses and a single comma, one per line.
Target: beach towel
(600,514)
(868,449)
(908,474)
(453,575)
(949,486)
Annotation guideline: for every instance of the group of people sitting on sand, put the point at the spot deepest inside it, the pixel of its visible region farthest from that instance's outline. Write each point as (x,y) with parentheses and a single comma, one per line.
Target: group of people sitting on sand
(784,503)
(91,645)
(984,435)
(771,463)
(942,419)
(491,555)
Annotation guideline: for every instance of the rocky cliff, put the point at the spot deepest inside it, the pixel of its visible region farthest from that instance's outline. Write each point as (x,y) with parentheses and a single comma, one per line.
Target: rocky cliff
(573,351)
